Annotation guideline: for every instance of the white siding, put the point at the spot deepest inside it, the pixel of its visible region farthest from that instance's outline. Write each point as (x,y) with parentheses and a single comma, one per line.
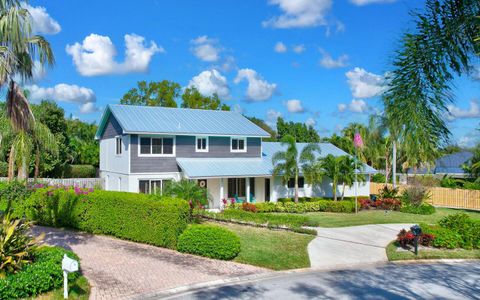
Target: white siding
(115,181)
(110,161)
(213,187)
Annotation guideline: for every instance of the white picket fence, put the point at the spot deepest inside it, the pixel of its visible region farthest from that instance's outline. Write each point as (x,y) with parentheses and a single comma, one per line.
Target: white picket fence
(80,182)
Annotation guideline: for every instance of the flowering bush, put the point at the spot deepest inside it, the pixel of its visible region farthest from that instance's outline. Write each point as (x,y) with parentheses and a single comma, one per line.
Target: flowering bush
(249,207)
(406,238)
(390,204)
(364,203)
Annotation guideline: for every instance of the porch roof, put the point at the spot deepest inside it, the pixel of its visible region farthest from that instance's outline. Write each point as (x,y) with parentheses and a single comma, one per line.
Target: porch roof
(224,167)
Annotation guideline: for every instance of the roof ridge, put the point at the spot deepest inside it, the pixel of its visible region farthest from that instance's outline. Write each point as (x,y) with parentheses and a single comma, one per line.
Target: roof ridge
(178,108)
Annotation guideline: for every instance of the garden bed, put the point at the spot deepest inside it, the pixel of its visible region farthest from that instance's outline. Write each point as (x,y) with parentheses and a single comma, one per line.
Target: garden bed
(395,253)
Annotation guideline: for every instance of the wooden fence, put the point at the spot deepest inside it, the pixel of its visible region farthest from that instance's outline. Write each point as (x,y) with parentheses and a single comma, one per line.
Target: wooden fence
(80,182)
(443,197)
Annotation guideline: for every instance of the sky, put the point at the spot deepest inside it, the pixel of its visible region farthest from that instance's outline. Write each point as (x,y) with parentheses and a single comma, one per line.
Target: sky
(321,62)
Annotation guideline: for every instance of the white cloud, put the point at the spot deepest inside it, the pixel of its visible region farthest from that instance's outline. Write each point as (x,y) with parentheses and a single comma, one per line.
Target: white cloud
(311,122)
(294,106)
(272,116)
(455,112)
(364,84)
(298,49)
(327,61)
(96,55)
(469,140)
(41,21)
(366,2)
(299,13)
(356,106)
(206,49)
(210,82)
(280,47)
(69,93)
(258,88)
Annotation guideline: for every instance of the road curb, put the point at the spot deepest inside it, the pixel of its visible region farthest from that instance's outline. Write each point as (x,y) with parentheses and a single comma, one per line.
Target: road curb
(429,261)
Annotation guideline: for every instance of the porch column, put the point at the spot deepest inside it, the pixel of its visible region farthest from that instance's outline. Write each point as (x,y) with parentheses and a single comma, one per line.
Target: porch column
(247,185)
(221,189)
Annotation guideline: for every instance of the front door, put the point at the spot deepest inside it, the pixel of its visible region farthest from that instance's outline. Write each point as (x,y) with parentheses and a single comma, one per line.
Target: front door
(267,189)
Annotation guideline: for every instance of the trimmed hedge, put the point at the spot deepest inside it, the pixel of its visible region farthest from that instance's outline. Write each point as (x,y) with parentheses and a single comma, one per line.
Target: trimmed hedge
(136,217)
(321,205)
(80,171)
(209,241)
(422,209)
(41,276)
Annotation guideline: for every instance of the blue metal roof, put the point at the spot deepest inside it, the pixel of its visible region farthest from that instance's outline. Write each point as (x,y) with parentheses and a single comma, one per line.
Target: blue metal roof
(447,164)
(249,167)
(180,121)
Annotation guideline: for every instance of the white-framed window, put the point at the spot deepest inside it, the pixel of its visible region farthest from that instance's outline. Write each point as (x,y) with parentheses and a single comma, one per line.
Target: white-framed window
(118,145)
(201,144)
(156,146)
(153,186)
(238,144)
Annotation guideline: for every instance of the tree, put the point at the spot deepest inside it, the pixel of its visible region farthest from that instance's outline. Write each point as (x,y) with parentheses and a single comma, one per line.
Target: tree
(19,49)
(441,46)
(163,93)
(84,148)
(472,167)
(347,172)
(300,131)
(187,190)
(288,163)
(329,166)
(192,98)
(260,123)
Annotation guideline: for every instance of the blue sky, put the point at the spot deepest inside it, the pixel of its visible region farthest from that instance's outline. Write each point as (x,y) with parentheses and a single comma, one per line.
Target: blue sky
(315,61)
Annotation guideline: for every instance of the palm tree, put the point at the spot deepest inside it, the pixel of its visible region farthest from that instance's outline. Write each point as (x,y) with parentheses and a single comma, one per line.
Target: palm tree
(19,50)
(347,173)
(289,164)
(188,190)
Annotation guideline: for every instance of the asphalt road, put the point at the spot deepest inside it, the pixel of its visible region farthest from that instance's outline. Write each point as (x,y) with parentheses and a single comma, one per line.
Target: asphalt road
(404,281)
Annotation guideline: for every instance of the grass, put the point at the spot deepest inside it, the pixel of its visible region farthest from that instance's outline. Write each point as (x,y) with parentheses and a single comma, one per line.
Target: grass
(393,254)
(272,249)
(325,219)
(79,289)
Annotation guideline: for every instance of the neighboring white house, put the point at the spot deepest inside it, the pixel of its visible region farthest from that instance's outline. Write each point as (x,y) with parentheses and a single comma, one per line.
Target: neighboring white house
(142,148)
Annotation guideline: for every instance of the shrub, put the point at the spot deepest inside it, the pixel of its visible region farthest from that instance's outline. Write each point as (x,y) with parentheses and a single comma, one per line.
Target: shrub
(444,238)
(79,171)
(209,241)
(388,192)
(43,275)
(423,209)
(415,195)
(271,220)
(378,178)
(407,238)
(266,207)
(249,207)
(137,217)
(13,195)
(389,204)
(364,203)
(283,200)
(3,169)
(468,229)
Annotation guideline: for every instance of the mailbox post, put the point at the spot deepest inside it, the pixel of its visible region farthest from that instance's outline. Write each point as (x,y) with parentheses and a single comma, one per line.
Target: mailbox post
(68,266)
(417,231)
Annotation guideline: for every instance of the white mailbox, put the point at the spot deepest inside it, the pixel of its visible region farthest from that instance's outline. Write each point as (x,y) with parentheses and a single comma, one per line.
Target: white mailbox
(69,265)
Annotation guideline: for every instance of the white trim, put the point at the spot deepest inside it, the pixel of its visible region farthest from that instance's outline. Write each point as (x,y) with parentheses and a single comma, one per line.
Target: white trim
(196,143)
(139,154)
(244,150)
(150,183)
(194,133)
(116,145)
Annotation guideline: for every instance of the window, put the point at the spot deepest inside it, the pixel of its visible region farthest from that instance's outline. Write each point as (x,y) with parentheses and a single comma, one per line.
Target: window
(238,145)
(252,186)
(156,146)
(236,187)
(155,186)
(118,146)
(201,144)
(291,183)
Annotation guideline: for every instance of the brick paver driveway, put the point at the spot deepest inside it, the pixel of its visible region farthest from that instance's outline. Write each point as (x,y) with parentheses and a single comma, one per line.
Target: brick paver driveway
(118,269)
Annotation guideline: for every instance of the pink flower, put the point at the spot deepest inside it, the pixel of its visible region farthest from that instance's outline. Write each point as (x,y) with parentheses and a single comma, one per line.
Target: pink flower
(357,140)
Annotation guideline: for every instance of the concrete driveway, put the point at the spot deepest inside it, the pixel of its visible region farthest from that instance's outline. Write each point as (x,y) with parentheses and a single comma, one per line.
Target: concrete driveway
(347,246)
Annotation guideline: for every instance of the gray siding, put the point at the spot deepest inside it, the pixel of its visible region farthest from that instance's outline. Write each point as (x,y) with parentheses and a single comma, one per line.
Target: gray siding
(149,164)
(219,147)
(112,129)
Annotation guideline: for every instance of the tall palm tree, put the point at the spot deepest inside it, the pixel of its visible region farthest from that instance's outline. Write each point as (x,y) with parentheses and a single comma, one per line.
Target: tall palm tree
(347,173)
(289,163)
(329,166)
(19,50)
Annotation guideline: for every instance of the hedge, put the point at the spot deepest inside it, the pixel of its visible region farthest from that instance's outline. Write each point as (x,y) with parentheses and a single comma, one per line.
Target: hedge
(321,205)
(80,171)
(42,275)
(443,237)
(209,241)
(422,209)
(136,217)
(466,227)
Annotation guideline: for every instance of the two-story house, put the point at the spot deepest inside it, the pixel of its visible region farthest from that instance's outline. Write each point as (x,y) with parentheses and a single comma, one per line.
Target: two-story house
(143,148)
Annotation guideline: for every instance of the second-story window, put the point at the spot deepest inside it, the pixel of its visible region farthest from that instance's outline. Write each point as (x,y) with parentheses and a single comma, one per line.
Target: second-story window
(201,144)
(156,146)
(118,145)
(238,145)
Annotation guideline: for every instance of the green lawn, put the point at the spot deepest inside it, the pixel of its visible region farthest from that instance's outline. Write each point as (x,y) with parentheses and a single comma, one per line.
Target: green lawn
(325,219)
(79,289)
(273,249)
(392,254)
